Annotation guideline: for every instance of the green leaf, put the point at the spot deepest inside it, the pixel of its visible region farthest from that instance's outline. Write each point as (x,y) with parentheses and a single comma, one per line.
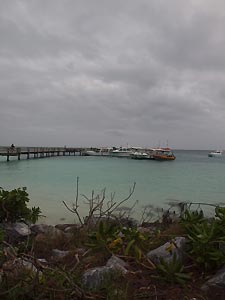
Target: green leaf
(127,250)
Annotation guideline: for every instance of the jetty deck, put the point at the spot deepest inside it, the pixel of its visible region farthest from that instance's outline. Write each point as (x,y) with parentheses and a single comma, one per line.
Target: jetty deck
(39,152)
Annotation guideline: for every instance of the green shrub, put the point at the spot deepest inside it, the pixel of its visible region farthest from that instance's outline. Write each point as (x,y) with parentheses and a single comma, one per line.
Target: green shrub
(104,236)
(205,238)
(1,244)
(118,240)
(172,271)
(134,241)
(13,206)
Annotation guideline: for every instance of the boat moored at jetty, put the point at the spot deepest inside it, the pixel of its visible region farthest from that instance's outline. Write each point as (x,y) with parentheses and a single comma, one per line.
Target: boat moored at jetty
(122,152)
(217,153)
(97,152)
(144,153)
(163,154)
(91,153)
(141,155)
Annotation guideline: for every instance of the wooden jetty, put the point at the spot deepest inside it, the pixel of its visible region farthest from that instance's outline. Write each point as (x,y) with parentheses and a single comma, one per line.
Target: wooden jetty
(39,152)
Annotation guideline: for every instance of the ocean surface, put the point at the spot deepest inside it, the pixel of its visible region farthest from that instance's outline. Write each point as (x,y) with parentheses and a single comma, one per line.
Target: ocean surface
(192,177)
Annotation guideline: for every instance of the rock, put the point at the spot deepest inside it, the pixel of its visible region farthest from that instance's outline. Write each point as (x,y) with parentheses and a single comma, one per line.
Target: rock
(1,276)
(80,251)
(217,281)
(59,253)
(54,233)
(22,229)
(117,263)
(27,265)
(72,229)
(42,262)
(68,235)
(62,226)
(39,228)
(167,250)
(13,268)
(52,238)
(16,232)
(95,277)
(47,230)
(69,228)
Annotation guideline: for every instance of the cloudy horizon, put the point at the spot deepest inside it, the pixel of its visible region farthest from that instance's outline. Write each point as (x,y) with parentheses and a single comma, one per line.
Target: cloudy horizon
(112,73)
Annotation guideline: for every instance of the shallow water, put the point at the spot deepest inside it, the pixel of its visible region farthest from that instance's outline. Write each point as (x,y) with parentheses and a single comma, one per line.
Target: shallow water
(191,177)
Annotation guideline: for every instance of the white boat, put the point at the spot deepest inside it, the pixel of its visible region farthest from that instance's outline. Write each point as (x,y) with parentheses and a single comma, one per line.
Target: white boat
(122,152)
(97,152)
(140,155)
(92,153)
(217,153)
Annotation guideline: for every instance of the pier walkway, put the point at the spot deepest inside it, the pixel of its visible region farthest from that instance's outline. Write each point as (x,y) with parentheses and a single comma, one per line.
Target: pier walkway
(39,152)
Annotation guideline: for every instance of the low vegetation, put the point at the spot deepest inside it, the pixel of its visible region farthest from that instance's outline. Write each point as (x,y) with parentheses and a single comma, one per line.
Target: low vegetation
(108,231)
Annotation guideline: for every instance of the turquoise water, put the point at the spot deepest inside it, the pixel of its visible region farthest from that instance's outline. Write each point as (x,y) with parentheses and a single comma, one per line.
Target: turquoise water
(191,177)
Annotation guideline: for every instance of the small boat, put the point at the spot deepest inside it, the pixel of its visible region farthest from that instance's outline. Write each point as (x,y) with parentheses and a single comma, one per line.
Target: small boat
(163,154)
(97,152)
(140,155)
(122,152)
(217,153)
(91,153)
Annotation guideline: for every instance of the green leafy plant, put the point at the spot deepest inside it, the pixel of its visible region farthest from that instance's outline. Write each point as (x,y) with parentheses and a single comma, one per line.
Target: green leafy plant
(204,245)
(106,237)
(13,206)
(220,216)
(117,239)
(1,244)
(172,271)
(205,237)
(192,217)
(134,242)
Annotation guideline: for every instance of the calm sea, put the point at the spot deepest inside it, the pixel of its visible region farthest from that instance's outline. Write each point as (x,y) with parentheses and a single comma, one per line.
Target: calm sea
(191,177)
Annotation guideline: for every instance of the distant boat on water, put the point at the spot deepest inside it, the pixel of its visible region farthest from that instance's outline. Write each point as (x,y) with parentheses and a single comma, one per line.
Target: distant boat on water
(217,153)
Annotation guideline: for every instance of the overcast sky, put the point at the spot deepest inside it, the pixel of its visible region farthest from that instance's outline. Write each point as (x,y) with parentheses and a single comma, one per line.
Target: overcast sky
(112,72)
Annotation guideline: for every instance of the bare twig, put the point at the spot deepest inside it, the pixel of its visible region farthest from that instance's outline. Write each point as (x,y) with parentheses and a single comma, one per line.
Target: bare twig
(75,206)
(98,206)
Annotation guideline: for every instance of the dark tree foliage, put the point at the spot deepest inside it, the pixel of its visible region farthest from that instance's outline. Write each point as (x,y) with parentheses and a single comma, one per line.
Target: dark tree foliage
(13,206)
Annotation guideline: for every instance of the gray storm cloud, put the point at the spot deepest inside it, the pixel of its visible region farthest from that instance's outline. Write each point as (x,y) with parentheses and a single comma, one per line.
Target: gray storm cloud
(97,73)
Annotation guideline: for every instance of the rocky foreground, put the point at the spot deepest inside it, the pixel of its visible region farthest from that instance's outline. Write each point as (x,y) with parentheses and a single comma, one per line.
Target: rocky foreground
(59,262)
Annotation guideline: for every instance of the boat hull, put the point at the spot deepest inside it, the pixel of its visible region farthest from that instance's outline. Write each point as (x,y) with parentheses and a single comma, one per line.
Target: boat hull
(91,153)
(121,154)
(141,156)
(218,153)
(214,155)
(163,157)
